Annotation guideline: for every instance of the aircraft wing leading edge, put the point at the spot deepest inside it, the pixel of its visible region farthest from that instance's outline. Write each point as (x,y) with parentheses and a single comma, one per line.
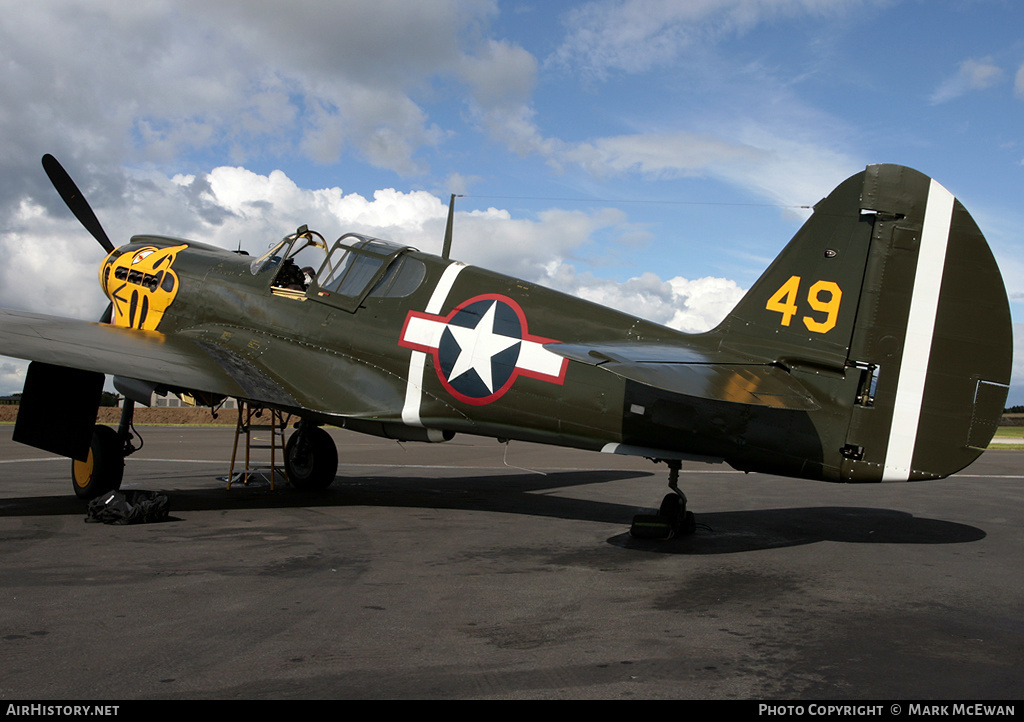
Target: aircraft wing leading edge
(131,353)
(195,361)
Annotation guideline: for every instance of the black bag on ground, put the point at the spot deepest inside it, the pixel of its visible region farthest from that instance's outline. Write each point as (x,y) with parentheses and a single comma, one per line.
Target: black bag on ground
(128,507)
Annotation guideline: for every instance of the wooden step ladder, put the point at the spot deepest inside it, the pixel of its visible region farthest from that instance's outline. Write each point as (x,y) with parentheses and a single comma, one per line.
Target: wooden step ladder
(263,436)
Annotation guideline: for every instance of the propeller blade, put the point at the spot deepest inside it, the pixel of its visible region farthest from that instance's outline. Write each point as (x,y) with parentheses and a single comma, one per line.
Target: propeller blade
(75,200)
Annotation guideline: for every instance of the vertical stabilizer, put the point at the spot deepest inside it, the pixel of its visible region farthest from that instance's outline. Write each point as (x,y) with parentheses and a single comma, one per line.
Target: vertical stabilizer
(890,287)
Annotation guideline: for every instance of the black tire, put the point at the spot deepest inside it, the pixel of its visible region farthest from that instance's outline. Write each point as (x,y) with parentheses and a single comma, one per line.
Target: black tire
(672,508)
(103,469)
(311,459)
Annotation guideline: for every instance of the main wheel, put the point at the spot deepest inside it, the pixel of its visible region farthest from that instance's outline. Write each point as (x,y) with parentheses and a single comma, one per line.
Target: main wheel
(311,458)
(103,469)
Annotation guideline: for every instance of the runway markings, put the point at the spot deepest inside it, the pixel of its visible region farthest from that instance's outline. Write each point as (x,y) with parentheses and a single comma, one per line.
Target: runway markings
(469,468)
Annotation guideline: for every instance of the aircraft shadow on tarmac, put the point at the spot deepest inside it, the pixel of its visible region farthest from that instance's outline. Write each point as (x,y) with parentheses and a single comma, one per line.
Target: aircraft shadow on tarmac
(717,532)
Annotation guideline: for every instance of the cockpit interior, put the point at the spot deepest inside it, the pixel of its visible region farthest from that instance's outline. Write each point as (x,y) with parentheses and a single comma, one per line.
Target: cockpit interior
(345,274)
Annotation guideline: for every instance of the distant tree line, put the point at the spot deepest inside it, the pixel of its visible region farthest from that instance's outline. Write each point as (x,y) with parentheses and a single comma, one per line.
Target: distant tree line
(106,399)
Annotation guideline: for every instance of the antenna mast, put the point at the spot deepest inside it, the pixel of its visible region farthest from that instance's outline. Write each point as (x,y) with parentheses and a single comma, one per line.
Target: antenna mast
(447,248)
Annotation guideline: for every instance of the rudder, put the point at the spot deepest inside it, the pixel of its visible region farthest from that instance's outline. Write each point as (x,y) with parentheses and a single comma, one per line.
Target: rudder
(935,320)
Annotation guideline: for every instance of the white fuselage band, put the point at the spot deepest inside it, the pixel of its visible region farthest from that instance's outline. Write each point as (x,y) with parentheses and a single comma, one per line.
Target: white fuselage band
(417,362)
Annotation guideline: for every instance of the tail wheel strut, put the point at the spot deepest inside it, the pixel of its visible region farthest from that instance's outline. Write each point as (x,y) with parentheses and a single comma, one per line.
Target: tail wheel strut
(672,519)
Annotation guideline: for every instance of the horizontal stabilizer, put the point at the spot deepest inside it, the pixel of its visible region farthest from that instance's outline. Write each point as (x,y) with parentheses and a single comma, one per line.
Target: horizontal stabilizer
(689,372)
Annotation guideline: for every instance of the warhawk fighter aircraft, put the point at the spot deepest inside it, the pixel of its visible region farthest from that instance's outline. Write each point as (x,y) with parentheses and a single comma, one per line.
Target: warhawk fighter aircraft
(876,347)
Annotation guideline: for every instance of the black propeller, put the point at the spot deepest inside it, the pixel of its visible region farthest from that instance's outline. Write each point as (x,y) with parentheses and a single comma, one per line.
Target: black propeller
(80,207)
(83,212)
(75,200)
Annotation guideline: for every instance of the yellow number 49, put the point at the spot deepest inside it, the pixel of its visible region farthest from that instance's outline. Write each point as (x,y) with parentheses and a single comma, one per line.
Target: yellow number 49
(784,301)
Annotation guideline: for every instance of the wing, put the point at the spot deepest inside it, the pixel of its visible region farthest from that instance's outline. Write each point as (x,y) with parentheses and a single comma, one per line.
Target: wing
(695,373)
(146,355)
(280,373)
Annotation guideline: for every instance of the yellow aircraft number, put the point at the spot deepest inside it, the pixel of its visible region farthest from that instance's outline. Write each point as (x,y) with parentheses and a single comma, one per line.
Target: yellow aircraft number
(822,296)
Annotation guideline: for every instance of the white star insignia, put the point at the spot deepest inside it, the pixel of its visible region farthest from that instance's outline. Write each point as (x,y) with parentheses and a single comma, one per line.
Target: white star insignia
(478,346)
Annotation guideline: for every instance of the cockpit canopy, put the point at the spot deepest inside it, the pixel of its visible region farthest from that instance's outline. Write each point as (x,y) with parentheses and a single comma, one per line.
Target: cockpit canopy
(355,267)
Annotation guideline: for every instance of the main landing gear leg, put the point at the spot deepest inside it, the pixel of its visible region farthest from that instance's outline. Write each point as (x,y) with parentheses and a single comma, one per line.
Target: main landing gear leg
(672,519)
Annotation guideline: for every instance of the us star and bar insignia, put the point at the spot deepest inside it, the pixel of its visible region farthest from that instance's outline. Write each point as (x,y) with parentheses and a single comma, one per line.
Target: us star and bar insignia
(481,347)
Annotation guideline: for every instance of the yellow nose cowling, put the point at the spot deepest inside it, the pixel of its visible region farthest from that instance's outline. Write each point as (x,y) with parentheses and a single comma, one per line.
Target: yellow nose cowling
(140,284)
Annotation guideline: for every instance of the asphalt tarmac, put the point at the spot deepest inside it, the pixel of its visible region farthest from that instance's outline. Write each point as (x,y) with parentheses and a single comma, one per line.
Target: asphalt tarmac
(477,570)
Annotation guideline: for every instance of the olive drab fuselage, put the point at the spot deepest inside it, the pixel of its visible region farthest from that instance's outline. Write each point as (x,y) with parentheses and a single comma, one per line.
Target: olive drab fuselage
(803,378)
(876,347)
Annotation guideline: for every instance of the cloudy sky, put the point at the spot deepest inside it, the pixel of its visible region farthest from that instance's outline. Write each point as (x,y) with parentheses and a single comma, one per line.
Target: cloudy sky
(653,155)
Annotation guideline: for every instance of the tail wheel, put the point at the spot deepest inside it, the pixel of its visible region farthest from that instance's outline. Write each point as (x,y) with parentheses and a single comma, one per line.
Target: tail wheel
(103,469)
(311,458)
